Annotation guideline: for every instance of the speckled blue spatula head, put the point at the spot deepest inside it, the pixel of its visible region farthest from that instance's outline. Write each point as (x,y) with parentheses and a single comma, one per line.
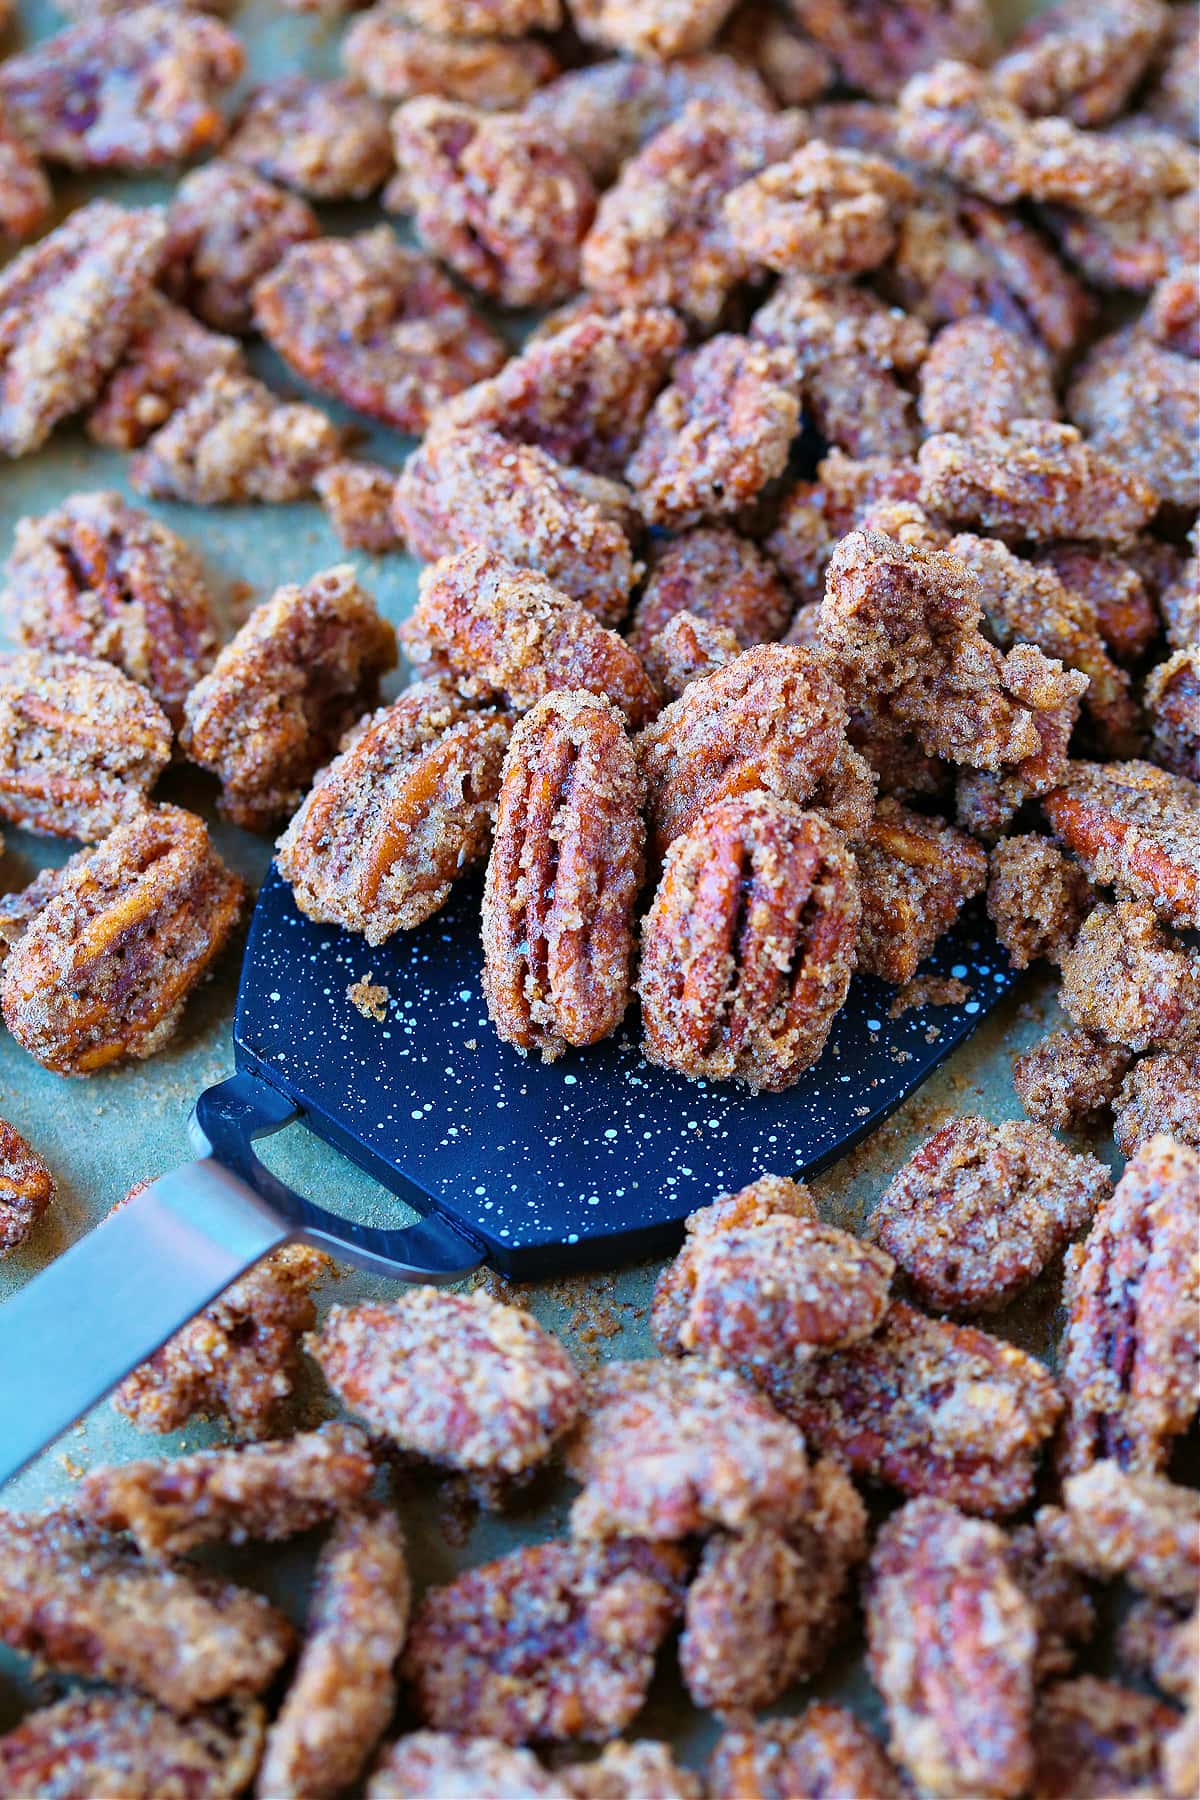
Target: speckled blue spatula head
(590,1160)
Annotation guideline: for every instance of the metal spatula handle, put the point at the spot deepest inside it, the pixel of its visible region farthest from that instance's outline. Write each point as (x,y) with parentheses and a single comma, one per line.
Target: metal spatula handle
(70,1335)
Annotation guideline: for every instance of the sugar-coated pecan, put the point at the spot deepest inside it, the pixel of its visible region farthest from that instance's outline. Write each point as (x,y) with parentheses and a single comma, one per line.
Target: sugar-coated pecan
(496,196)
(1118,592)
(234,441)
(463,489)
(236,1360)
(718,577)
(978,1210)
(301,670)
(582,394)
(915,874)
(358,498)
(718,434)
(642,1770)
(1137,827)
(1069,1077)
(103,971)
(668,1449)
(97,1743)
(1138,1525)
(1159,1094)
(749,945)
(138,90)
(1037,898)
(824,211)
(878,46)
(1130,980)
(564,876)
(1128,1356)
(168,358)
(399,815)
(27,1188)
(554,1641)
(765,1608)
(375,325)
(80,744)
(25,199)
(1095,1738)
(951,1641)
(261,1493)
(68,307)
(326,139)
(1081,59)
(395,61)
(98,578)
(344,1689)
(1037,480)
(512,630)
(87,1604)
(663,29)
(982,376)
(1158,445)
(227,227)
(824,1751)
(459,1379)
(422,1763)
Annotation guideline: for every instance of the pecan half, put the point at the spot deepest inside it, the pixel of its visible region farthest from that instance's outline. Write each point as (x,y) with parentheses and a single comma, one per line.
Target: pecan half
(26,1188)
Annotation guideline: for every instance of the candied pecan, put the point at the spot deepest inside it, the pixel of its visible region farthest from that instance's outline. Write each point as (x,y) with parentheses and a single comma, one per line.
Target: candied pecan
(25,198)
(261,1493)
(955,121)
(400,814)
(1128,1354)
(716,576)
(1139,406)
(764,1608)
(327,140)
(86,1604)
(1062,1607)
(26,1188)
(823,1752)
(663,29)
(68,307)
(512,630)
(668,1449)
(824,211)
(1036,898)
(980,377)
(748,947)
(395,60)
(718,434)
(1159,1094)
(463,490)
(375,325)
(1141,1526)
(1095,1739)
(1115,590)
(685,649)
(1081,59)
(103,971)
(344,1689)
(879,45)
(660,237)
(459,1379)
(301,670)
(1173,98)
(239,1358)
(914,874)
(96,1743)
(1137,827)
(358,498)
(563,878)
(554,1641)
(930,1407)
(80,744)
(1069,1077)
(1172,697)
(98,578)
(168,358)
(951,1641)
(977,1212)
(484,18)
(234,441)
(581,395)
(425,1763)
(138,90)
(642,1770)
(1130,980)
(227,227)
(1037,480)
(496,196)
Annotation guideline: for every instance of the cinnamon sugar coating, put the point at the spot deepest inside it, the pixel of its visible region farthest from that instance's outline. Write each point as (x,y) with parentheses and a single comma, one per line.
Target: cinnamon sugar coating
(325,139)
(1159,1094)
(375,325)
(915,874)
(234,442)
(68,307)
(99,578)
(358,498)
(823,1751)
(1136,827)
(563,878)
(1118,593)
(459,1379)
(930,1408)
(749,944)
(877,48)
(1172,697)
(718,577)
(87,1604)
(401,813)
(344,1689)
(258,1494)
(27,1188)
(1038,480)
(1141,1526)
(824,211)
(445,1763)
(227,227)
(239,1358)
(80,744)
(512,630)
(978,1210)
(1095,1738)
(168,358)
(1069,1077)
(554,1641)
(1080,59)
(463,490)
(302,669)
(765,1608)
(981,377)
(1138,406)
(685,649)
(496,196)
(663,29)
(395,61)
(114,1743)
(1130,980)
(139,90)
(25,198)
